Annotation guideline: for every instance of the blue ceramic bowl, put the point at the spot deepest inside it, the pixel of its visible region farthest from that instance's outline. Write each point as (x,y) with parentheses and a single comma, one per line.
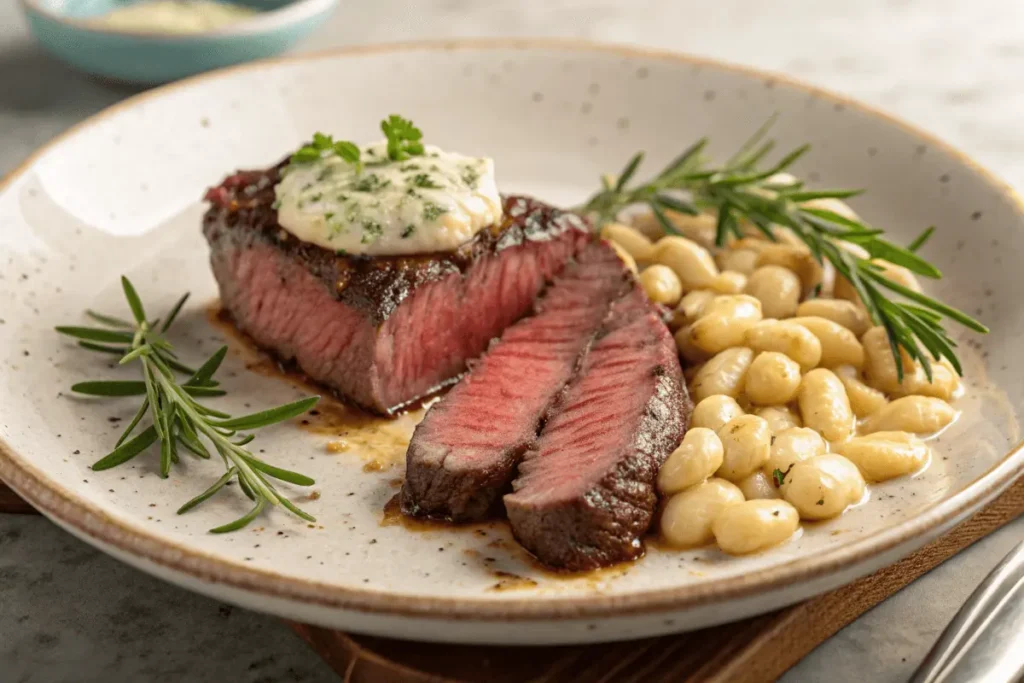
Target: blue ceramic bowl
(61,26)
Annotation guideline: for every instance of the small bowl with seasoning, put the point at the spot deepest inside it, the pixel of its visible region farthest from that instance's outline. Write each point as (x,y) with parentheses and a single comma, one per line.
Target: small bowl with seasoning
(155,41)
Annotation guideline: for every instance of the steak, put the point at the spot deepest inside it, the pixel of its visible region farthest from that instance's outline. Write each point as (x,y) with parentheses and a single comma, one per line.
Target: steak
(463,455)
(382,332)
(585,491)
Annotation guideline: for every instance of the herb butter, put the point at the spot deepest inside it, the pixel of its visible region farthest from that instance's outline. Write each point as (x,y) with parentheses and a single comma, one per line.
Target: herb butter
(173,16)
(433,202)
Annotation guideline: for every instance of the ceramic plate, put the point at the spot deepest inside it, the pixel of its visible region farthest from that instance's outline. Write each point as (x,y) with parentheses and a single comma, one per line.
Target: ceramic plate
(121,194)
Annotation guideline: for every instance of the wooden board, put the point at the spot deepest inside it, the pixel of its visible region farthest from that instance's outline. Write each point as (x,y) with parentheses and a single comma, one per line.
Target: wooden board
(10,503)
(754,650)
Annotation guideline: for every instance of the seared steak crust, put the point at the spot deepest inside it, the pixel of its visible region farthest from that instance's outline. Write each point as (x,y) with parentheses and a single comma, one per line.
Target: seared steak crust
(463,455)
(585,492)
(242,213)
(382,332)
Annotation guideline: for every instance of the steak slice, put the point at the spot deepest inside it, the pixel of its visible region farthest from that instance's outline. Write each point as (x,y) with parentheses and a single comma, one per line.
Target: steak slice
(585,491)
(383,332)
(463,455)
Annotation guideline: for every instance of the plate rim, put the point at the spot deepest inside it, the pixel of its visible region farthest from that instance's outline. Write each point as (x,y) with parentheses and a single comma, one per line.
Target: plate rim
(56,501)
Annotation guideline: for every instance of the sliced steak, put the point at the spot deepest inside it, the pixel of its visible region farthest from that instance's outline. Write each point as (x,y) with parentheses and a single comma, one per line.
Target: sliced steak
(463,455)
(585,491)
(383,331)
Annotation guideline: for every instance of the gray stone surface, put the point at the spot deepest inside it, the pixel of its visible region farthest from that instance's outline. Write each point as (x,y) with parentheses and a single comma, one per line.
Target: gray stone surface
(68,613)
(71,614)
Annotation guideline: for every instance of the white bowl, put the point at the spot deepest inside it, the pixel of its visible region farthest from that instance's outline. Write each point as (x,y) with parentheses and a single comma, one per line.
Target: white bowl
(62,27)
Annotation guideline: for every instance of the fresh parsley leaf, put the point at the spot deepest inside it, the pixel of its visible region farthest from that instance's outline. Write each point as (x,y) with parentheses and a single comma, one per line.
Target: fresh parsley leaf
(322,142)
(404,138)
(349,152)
(306,154)
(325,144)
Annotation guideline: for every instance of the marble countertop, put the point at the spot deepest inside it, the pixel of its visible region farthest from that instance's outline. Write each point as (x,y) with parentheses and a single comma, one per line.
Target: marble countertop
(69,613)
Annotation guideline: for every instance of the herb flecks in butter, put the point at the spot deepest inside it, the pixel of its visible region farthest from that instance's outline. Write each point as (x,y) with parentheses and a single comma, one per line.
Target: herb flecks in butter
(470,176)
(381,199)
(372,231)
(371,183)
(432,211)
(423,180)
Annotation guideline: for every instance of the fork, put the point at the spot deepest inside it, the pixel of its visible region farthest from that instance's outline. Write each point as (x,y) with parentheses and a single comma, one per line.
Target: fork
(985,641)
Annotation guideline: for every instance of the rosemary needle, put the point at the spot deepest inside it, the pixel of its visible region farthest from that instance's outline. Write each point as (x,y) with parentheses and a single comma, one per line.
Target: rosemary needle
(178,419)
(743,190)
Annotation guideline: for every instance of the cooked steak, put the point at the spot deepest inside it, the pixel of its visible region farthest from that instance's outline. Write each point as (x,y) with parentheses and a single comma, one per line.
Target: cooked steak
(585,490)
(463,455)
(381,331)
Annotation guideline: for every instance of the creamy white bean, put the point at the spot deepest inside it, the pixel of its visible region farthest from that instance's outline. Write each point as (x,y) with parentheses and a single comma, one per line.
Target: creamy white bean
(803,394)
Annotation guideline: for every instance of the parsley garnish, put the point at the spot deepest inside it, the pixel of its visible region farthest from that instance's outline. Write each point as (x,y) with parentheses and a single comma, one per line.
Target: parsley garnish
(409,230)
(404,139)
(276,204)
(325,144)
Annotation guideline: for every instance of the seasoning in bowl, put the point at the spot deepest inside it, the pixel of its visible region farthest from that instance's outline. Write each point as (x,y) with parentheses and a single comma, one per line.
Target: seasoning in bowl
(173,16)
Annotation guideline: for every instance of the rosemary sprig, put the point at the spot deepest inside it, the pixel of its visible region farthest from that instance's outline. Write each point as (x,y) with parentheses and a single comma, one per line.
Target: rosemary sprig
(179,419)
(743,190)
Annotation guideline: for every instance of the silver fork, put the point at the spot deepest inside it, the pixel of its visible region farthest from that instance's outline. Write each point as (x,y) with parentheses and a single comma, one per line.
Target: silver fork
(985,641)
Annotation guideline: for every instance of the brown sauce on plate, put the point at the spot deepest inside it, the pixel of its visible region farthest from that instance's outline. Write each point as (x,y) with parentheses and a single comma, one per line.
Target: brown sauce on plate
(380,441)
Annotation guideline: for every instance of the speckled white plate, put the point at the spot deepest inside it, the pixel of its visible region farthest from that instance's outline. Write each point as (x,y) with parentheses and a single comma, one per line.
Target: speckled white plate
(120,194)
